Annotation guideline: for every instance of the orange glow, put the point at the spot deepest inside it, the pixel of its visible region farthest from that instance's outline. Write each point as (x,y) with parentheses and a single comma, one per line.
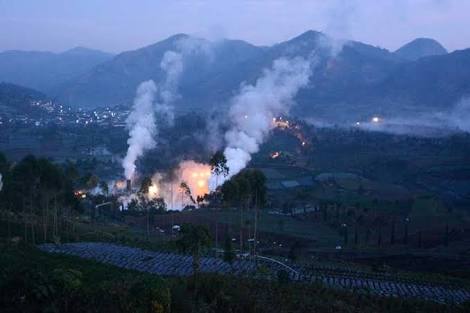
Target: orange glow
(275,155)
(153,191)
(280,123)
(196,175)
(120,184)
(80,194)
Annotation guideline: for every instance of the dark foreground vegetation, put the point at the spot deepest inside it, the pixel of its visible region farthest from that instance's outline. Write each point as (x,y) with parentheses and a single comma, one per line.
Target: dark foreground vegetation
(32,281)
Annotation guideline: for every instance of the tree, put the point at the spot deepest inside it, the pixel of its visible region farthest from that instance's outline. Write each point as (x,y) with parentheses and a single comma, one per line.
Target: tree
(50,186)
(194,239)
(92,182)
(218,164)
(160,205)
(229,254)
(24,187)
(3,164)
(40,191)
(379,223)
(258,193)
(70,171)
(144,189)
(185,190)
(392,232)
(257,187)
(243,199)
(104,187)
(405,236)
(145,185)
(446,234)
(357,222)
(281,224)
(199,200)
(4,203)
(230,192)
(345,232)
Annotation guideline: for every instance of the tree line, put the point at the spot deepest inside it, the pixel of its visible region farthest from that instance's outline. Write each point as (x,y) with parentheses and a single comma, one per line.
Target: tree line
(39,194)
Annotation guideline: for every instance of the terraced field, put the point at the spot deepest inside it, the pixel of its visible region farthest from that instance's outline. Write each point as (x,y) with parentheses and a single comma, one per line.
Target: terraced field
(171,264)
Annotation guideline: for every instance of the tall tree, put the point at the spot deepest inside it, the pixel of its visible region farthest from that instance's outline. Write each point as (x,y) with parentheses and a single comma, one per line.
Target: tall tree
(26,178)
(3,164)
(186,191)
(50,186)
(144,190)
(145,185)
(104,187)
(258,192)
(243,200)
(194,239)
(229,254)
(218,164)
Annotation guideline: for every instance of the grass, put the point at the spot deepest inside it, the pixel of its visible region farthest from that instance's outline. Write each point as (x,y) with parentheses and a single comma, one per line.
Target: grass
(274,224)
(292,227)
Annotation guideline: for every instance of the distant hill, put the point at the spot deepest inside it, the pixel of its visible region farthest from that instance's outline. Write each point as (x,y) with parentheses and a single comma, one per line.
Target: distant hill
(419,48)
(45,70)
(434,82)
(352,80)
(210,81)
(16,99)
(114,82)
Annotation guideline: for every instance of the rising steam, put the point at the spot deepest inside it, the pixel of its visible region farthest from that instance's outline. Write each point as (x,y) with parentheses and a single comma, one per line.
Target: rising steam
(141,125)
(142,122)
(254,108)
(153,105)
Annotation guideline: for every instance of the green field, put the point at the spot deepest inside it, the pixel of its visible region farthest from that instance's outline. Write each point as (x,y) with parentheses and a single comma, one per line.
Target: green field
(286,226)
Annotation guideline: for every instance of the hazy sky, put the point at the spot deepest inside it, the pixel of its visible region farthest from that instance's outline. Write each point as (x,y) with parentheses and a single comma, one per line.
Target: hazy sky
(118,25)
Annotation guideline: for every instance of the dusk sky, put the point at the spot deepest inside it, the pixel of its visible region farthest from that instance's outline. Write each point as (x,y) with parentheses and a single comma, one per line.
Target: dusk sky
(119,25)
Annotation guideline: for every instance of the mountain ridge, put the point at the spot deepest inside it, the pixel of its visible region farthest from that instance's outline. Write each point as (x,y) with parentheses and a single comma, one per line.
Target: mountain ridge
(419,48)
(350,77)
(43,70)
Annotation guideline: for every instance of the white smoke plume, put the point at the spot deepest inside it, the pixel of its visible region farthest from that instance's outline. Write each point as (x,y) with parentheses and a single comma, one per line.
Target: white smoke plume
(460,116)
(142,127)
(253,109)
(150,100)
(172,65)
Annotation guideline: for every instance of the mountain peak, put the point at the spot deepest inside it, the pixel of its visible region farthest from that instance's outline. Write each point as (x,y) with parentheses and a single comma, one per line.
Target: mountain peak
(419,48)
(308,35)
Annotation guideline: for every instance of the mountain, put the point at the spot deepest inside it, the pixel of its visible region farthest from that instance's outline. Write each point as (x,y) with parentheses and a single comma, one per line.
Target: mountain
(351,80)
(209,68)
(419,48)
(46,70)
(16,99)
(429,85)
(434,82)
(211,79)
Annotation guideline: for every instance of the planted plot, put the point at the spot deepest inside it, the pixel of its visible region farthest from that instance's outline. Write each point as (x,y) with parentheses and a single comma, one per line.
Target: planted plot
(170,264)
